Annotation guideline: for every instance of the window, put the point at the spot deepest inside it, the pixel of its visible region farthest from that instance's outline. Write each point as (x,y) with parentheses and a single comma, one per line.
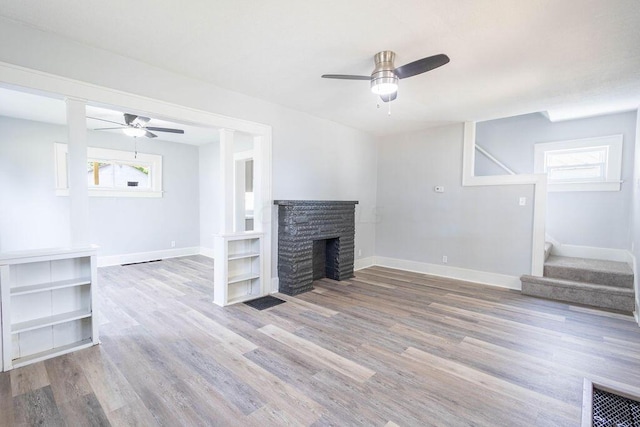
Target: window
(114,173)
(592,164)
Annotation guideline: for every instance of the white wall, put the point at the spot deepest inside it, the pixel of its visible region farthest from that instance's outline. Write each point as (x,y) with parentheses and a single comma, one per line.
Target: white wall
(31,216)
(312,158)
(594,218)
(477,228)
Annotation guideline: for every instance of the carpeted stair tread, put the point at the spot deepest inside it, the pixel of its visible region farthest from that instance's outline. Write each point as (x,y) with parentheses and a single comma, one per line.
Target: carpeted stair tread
(578,285)
(610,273)
(589,264)
(610,297)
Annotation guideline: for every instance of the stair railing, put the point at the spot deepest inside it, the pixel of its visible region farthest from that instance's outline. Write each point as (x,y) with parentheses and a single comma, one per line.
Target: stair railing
(494,160)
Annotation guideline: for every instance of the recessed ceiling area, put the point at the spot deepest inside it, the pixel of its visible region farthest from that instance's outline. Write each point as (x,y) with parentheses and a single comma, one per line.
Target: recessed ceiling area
(50,109)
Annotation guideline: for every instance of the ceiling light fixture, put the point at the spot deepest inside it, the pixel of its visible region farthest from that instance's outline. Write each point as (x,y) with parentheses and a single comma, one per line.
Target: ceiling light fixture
(384,80)
(135,132)
(384,85)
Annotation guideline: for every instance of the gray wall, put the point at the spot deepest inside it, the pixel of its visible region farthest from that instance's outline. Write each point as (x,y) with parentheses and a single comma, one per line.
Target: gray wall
(312,158)
(122,225)
(32,216)
(209,176)
(478,228)
(589,218)
(322,160)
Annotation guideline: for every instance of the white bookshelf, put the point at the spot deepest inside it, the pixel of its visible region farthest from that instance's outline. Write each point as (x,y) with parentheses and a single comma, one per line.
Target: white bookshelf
(239,276)
(47,304)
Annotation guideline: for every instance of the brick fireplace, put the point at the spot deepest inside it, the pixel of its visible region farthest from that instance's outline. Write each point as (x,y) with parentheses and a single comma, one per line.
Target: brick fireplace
(315,240)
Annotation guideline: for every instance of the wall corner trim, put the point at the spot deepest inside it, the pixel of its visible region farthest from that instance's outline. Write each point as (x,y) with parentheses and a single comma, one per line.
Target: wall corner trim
(361,263)
(208,252)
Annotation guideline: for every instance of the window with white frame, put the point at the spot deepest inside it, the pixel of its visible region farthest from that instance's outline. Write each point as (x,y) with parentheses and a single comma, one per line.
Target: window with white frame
(591,164)
(113,173)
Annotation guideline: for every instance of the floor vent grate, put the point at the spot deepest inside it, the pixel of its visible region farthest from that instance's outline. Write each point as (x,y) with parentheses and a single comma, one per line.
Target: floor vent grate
(264,302)
(141,262)
(608,407)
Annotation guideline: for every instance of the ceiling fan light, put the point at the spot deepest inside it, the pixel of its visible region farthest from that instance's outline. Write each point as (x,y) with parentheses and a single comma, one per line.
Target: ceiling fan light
(135,132)
(384,85)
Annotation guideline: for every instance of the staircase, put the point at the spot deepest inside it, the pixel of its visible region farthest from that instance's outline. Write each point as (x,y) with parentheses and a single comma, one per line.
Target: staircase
(604,284)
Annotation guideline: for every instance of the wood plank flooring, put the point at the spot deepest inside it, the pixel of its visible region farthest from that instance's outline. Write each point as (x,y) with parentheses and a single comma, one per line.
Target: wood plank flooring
(386,348)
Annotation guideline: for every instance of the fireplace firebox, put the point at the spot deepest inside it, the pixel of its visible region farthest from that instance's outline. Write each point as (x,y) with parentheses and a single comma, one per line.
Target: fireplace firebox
(315,240)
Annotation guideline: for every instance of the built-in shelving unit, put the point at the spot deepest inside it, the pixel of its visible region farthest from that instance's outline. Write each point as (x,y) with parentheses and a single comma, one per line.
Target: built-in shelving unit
(47,304)
(239,275)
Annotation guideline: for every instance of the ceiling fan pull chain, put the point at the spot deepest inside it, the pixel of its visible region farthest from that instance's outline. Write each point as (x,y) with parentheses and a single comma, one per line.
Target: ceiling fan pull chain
(389,104)
(135,147)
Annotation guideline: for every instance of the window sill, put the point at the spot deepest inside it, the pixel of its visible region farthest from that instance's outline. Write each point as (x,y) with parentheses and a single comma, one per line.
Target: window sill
(114,193)
(585,186)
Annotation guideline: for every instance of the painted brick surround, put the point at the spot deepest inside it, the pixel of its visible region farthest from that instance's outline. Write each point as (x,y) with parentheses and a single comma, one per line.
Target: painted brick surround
(331,225)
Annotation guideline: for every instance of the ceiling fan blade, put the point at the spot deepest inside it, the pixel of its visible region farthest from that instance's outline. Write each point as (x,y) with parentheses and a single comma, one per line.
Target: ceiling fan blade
(150,135)
(421,66)
(141,121)
(164,129)
(390,97)
(105,120)
(345,77)
(121,127)
(129,118)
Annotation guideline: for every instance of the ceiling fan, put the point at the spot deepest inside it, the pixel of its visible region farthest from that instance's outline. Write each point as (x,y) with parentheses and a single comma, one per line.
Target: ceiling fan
(384,78)
(137,126)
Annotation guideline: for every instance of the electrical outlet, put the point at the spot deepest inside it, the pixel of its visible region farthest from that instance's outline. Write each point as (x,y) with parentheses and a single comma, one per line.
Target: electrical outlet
(522,201)
(444,259)
(173,243)
(359,252)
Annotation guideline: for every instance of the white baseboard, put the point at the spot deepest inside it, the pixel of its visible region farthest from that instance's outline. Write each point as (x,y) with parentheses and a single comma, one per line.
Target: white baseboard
(361,263)
(590,252)
(105,261)
(208,252)
(482,277)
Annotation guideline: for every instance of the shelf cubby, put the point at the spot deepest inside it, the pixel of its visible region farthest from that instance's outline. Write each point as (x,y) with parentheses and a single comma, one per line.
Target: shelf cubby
(239,274)
(48,304)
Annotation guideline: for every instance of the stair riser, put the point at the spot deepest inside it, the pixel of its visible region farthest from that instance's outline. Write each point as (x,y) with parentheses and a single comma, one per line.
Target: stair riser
(596,299)
(596,277)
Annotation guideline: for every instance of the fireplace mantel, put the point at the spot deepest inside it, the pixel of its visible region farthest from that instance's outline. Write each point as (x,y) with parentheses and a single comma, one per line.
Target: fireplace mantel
(314,202)
(303,222)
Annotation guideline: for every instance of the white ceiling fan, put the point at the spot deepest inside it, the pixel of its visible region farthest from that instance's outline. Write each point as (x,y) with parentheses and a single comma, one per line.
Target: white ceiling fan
(137,126)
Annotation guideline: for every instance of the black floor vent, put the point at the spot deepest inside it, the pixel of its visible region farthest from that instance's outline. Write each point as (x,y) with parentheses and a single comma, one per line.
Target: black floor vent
(612,410)
(142,262)
(609,407)
(264,302)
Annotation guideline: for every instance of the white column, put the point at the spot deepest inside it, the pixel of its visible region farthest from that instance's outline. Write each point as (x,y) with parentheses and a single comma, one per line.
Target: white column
(226,181)
(77,163)
(239,194)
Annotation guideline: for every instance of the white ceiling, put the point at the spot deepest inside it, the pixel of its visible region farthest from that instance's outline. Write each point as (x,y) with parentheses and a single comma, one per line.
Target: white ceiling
(31,106)
(508,57)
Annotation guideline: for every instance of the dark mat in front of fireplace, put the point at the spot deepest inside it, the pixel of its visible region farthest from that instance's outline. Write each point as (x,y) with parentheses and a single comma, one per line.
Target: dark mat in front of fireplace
(264,302)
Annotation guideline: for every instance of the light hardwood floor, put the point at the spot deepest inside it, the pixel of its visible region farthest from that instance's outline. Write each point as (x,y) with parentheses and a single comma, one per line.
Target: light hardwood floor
(386,348)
